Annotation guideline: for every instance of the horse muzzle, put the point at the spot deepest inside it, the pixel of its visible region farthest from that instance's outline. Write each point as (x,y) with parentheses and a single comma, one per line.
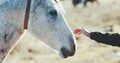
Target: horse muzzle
(66,53)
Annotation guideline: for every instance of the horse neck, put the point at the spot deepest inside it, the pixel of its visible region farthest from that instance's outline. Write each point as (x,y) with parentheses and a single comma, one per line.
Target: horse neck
(13,11)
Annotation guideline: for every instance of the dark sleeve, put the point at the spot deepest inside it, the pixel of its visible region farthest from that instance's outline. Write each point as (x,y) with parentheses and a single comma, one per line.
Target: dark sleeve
(109,39)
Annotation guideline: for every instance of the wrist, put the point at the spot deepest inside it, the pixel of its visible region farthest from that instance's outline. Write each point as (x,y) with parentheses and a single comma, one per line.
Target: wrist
(85,32)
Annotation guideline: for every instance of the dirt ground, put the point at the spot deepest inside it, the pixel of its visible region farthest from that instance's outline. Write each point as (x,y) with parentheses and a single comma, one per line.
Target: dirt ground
(102,17)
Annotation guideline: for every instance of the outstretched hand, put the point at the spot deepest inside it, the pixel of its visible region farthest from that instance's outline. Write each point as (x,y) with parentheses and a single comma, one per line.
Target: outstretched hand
(82,31)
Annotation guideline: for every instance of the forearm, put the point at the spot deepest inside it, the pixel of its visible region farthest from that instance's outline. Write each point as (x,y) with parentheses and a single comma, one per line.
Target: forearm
(109,39)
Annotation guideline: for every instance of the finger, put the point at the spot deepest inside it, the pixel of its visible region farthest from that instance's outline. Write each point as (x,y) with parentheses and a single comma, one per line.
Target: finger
(77,31)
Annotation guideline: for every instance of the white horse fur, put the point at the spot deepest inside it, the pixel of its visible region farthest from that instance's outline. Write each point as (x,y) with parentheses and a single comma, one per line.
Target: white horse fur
(52,29)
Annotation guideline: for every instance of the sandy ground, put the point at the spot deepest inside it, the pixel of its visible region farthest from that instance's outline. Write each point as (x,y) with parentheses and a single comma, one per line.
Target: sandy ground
(94,18)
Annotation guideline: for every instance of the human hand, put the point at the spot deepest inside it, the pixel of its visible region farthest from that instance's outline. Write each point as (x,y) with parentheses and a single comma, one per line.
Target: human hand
(82,31)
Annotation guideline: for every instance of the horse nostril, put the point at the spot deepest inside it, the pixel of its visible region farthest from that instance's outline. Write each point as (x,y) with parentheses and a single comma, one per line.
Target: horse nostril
(72,42)
(73,50)
(72,45)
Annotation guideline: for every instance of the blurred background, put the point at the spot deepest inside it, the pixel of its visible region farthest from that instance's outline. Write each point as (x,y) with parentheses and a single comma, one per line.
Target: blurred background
(103,17)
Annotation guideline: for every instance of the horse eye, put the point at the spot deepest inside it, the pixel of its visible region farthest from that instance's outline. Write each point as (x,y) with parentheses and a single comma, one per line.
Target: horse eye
(8,37)
(53,13)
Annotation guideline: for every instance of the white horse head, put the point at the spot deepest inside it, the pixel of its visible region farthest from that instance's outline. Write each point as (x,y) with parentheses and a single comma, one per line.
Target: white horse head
(46,22)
